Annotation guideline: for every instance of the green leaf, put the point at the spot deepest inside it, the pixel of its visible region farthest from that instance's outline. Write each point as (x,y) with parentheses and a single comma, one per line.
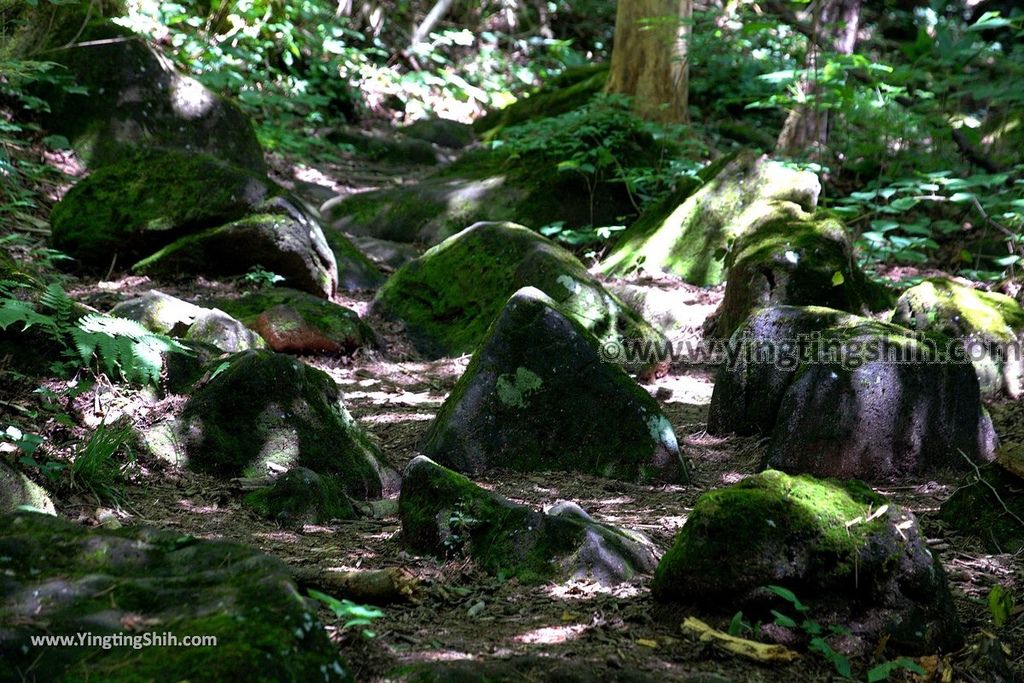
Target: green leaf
(837,279)
(1000,603)
(782,620)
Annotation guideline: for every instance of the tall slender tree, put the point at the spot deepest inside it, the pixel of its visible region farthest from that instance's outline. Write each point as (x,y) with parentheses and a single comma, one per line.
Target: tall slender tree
(834,27)
(649,57)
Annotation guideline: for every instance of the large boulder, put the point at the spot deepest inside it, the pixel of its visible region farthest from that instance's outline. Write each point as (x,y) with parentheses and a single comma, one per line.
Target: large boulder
(990,325)
(17,491)
(261,411)
(538,395)
(844,396)
(147,200)
(131,97)
(291,246)
(449,297)
(797,262)
(849,554)
(296,322)
(132,587)
(528,179)
(444,513)
(689,235)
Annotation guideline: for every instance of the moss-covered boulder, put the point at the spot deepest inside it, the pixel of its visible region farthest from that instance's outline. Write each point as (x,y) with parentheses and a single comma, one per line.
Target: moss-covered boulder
(296,322)
(290,246)
(449,296)
(387,254)
(356,270)
(845,396)
(261,411)
(989,508)
(761,359)
(443,513)
(18,491)
(528,180)
(849,554)
(441,132)
(133,98)
(797,262)
(132,587)
(689,235)
(385,146)
(147,200)
(301,496)
(538,395)
(990,325)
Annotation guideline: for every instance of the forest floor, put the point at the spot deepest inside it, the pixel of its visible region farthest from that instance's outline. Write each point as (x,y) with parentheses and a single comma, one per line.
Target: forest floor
(463,621)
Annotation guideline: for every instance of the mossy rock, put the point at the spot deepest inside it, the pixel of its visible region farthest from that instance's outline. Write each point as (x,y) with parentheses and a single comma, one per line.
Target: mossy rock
(217,328)
(30,29)
(134,99)
(749,390)
(301,496)
(148,200)
(18,491)
(851,396)
(386,147)
(291,246)
(797,262)
(61,579)
(570,90)
(356,270)
(296,322)
(448,297)
(158,312)
(984,508)
(990,325)
(689,235)
(387,254)
(441,132)
(521,181)
(839,547)
(292,415)
(539,372)
(443,513)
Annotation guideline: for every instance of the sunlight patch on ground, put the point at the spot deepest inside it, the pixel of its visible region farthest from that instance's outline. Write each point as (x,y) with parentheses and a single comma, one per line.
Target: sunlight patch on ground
(552,635)
(581,589)
(278,536)
(396,418)
(439,656)
(404,398)
(692,389)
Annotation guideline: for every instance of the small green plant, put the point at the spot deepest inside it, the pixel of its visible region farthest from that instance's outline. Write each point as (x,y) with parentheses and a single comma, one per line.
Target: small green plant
(122,348)
(351,614)
(95,467)
(261,278)
(817,643)
(1000,604)
(460,526)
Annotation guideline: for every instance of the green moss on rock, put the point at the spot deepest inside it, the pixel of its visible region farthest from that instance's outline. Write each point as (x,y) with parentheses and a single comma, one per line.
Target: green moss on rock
(991,326)
(539,372)
(801,261)
(292,415)
(692,238)
(444,513)
(301,496)
(17,491)
(448,297)
(148,200)
(61,579)
(834,544)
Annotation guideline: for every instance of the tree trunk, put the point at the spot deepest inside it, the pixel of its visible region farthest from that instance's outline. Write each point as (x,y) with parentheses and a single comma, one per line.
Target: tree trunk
(805,132)
(649,57)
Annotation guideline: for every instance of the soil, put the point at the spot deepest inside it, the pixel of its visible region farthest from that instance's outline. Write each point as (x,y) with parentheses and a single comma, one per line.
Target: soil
(465,623)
